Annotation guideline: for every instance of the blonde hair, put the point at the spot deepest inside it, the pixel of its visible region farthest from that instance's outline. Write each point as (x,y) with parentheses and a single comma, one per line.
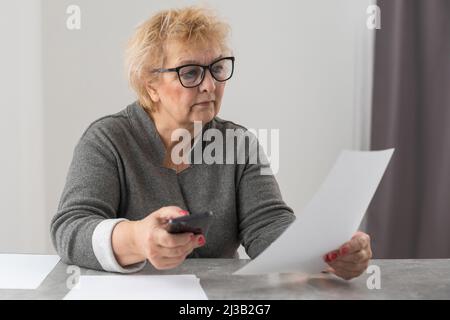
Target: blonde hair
(146,48)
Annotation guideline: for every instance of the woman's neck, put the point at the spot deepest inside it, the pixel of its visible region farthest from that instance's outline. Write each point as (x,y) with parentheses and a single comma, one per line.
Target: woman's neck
(166,126)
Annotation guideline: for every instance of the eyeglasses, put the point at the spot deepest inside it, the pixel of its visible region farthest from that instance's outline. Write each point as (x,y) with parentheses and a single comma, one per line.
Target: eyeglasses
(192,75)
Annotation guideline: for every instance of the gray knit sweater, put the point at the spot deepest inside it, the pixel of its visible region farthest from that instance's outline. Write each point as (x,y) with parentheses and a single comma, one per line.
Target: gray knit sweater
(117,173)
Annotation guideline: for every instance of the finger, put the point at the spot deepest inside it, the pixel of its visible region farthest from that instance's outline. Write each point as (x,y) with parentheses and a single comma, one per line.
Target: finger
(344,271)
(358,242)
(349,266)
(166,213)
(183,251)
(199,241)
(167,263)
(168,240)
(178,252)
(331,256)
(358,234)
(357,257)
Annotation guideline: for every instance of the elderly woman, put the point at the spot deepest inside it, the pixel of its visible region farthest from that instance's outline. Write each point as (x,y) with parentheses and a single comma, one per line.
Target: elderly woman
(123,184)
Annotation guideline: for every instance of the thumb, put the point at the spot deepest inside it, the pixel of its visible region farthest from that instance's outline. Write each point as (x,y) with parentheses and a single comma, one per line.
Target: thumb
(358,234)
(166,213)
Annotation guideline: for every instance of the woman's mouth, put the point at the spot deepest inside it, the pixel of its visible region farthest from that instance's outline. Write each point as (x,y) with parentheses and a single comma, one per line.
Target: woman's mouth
(204,103)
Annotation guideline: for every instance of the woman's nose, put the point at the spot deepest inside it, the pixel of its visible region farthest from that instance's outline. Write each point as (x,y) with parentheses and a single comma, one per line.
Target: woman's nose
(208,84)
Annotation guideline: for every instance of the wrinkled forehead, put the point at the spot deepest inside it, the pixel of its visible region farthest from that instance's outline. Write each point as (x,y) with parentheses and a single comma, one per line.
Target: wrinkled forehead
(179,53)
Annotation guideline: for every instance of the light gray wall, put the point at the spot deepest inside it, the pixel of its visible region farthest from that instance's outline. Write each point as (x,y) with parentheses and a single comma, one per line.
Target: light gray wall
(317,55)
(23,219)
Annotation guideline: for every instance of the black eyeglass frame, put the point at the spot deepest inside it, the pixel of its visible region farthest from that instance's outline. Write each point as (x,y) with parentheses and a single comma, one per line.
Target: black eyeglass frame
(177,70)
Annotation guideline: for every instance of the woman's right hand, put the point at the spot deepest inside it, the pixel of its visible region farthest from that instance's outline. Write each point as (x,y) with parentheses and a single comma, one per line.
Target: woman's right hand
(162,249)
(151,241)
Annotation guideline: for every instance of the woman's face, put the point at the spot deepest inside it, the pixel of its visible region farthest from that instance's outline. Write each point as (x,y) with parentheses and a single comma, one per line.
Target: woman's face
(182,106)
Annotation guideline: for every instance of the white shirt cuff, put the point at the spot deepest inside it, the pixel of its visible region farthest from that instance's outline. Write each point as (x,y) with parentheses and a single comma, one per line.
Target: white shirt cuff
(102,245)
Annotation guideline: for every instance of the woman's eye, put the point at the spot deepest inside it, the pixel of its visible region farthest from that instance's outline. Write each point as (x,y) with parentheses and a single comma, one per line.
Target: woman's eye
(189,74)
(217,69)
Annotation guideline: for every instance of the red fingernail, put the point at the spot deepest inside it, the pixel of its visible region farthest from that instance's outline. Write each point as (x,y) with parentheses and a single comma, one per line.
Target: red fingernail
(333,256)
(201,240)
(344,251)
(326,258)
(184,212)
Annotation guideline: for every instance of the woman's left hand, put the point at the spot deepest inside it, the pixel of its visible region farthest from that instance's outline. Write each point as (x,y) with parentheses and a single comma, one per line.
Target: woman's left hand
(352,258)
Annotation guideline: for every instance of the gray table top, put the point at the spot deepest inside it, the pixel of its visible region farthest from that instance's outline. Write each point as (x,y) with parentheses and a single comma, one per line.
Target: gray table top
(400,279)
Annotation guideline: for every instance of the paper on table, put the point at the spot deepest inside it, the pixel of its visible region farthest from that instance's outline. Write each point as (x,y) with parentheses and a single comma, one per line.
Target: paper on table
(329,220)
(22,271)
(134,287)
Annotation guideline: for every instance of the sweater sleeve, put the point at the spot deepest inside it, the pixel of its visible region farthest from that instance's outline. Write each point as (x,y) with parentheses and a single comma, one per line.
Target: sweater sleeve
(87,213)
(263,215)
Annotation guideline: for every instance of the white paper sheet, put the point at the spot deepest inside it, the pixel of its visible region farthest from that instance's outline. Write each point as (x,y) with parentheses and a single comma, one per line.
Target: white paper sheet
(137,287)
(329,220)
(22,271)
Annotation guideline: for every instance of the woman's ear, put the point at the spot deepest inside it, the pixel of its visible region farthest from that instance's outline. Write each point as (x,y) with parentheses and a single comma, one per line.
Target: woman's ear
(152,92)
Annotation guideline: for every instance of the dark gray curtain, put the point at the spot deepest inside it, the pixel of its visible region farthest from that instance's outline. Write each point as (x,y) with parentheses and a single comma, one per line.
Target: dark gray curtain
(409,216)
